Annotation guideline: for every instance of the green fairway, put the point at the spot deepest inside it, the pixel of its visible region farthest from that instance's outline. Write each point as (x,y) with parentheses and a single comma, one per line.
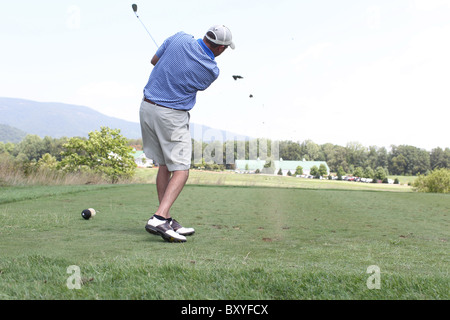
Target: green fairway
(197,177)
(250,243)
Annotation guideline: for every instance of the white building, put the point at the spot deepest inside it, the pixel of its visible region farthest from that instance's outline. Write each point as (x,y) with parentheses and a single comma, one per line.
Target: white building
(141,160)
(250,166)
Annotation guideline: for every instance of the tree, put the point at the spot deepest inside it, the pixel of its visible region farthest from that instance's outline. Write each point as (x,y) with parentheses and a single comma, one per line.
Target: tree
(323,170)
(53,146)
(439,158)
(105,151)
(7,148)
(408,160)
(31,146)
(311,151)
(47,161)
(380,173)
(437,181)
(299,171)
(213,152)
(327,150)
(280,172)
(399,165)
(359,172)
(314,171)
(337,159)
(289,150)
(382,158)
(372,157)
(356,153)
(340,173)
(369,173)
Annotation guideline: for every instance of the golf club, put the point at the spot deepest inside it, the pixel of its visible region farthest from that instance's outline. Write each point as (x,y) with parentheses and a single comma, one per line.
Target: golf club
(134,6)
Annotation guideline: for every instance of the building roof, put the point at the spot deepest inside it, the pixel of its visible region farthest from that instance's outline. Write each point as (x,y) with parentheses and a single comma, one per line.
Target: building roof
(250,164)
(283,164)
(292,165)
(137,154)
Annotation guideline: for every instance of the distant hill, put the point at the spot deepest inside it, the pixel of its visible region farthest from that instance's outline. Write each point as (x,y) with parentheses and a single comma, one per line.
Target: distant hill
(58,120)
(11,134)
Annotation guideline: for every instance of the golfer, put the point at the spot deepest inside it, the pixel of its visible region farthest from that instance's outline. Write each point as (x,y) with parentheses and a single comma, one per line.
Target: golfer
(182,66)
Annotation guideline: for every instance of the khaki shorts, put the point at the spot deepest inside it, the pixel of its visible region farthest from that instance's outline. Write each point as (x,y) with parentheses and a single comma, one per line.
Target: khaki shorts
(166,136)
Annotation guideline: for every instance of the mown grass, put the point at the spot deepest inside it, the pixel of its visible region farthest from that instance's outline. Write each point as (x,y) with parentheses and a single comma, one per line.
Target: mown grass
(226,178)
(250,243)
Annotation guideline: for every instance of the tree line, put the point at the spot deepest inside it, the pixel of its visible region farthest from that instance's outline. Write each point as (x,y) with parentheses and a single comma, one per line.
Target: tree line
(105,152)
(399,160)
(349,159)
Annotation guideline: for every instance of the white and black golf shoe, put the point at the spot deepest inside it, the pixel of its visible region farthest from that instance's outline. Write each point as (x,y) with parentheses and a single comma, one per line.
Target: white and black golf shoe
(178,228)
(162,228)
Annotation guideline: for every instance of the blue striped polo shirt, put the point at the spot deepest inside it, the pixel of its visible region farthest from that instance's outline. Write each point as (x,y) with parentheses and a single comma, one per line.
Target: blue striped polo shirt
(185,66)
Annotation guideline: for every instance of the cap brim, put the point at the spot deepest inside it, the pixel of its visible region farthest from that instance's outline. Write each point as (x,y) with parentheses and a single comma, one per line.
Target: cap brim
(232,46)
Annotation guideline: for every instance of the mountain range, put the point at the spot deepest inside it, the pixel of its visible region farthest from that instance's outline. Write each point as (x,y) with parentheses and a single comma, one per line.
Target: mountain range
(19,117)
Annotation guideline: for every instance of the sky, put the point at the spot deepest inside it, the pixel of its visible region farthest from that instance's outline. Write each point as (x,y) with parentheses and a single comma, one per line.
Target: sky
(372,72)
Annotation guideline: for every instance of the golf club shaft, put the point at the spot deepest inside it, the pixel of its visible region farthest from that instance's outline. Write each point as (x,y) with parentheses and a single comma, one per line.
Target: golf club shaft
(147,30)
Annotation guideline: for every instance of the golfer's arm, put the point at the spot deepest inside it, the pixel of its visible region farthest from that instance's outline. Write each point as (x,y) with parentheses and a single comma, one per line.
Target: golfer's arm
(155,59)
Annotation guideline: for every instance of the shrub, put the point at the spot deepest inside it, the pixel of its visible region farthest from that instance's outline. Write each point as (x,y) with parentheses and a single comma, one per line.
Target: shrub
(438,181)
(322,170)
(340,173)
(105,152)
(380,173)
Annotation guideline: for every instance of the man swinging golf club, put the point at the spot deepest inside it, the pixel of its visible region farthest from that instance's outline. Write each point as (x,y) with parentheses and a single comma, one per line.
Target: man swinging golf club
(182,66)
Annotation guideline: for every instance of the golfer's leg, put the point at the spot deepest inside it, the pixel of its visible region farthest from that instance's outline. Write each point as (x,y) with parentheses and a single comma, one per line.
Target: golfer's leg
(162,180)
(173,189)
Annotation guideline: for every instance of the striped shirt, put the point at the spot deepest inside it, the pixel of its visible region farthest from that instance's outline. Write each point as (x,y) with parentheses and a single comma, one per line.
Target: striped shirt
(185,66)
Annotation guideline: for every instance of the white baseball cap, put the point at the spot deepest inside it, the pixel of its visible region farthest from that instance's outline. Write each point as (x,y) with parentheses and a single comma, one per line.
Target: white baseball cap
(222,35)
